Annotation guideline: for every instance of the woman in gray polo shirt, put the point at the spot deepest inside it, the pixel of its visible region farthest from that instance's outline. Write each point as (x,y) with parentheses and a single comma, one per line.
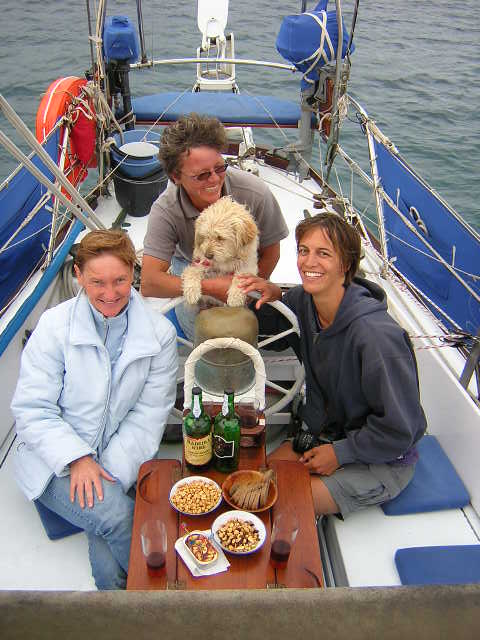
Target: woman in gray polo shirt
(190,151)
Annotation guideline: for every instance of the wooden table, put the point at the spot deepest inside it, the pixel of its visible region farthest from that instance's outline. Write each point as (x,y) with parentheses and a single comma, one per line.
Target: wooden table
(254,571)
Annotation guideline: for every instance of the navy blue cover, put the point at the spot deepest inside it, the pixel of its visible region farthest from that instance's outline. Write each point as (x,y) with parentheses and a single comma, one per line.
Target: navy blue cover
(229,108)
(55,526)
(120,41)
(434,486)
(444,233)
(300,36)
(439,565)
(30,245)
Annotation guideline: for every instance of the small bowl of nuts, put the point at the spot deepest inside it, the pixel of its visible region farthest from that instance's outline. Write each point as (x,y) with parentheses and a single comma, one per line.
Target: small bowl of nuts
(239,532)
(195,496)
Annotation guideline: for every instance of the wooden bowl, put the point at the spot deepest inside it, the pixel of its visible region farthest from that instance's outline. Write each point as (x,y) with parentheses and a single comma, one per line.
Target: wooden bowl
(245,476)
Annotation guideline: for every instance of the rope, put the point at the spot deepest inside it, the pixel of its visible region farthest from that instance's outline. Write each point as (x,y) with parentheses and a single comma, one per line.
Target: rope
(452,338)
(164,111)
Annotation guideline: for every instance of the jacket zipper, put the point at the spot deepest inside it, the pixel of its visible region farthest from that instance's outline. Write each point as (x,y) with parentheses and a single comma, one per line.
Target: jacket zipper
(109,377)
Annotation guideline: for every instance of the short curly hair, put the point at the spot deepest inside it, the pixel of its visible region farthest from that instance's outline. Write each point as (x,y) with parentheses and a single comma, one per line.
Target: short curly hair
(187,132)
(345,239)
(105,241)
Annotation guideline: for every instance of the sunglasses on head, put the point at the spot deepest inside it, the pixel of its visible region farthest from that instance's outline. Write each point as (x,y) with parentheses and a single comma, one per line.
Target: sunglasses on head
(205,175)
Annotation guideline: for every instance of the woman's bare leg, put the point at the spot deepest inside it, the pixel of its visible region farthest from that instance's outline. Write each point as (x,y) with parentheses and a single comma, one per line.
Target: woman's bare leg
(322,500)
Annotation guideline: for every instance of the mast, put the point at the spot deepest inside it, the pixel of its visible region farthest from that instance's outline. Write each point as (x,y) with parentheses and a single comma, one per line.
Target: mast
(342,73)
(141,32)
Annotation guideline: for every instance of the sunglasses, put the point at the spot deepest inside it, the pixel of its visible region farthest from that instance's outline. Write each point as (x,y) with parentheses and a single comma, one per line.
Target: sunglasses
(205,175)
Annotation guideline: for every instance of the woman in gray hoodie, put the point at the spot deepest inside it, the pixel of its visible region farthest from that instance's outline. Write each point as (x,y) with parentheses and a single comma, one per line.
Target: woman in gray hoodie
(362,397)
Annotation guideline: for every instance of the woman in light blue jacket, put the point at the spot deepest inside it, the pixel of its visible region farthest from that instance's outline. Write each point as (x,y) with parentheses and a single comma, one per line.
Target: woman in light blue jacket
(96,385)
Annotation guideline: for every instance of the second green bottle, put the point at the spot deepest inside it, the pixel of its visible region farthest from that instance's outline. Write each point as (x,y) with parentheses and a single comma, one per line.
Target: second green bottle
(226,436)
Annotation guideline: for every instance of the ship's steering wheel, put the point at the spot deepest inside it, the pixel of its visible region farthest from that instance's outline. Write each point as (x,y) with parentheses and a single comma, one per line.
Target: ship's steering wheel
(287,394)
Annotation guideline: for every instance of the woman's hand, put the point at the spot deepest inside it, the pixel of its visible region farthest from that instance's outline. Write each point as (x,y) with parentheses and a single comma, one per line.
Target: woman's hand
(217,287)
(85,474)
(322,460)
(268,291)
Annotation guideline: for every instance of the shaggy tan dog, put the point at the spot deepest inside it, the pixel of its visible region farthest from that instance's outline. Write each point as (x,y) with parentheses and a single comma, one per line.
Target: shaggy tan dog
(226,241)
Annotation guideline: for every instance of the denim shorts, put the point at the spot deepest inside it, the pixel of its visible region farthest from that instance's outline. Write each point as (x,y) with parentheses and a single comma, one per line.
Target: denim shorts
(356,486)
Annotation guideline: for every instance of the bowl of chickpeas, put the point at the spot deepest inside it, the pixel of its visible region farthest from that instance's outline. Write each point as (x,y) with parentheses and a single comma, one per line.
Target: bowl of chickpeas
(239,532)
(195,496)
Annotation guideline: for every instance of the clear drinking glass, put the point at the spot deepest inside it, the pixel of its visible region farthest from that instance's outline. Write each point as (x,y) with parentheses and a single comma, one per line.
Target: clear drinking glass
(154,546)
(284,532)
(248,410)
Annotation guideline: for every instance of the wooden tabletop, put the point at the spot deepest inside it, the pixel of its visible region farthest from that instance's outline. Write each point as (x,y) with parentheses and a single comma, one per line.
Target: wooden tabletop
(254,571)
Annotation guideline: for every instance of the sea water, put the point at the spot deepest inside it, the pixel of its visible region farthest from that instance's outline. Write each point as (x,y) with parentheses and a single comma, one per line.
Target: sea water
(415,70)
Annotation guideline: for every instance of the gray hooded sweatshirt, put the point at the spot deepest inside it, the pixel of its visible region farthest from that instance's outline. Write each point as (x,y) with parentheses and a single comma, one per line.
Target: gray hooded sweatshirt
(361,377)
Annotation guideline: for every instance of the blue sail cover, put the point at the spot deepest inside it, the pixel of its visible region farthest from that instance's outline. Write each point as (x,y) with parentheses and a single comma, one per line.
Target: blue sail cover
(28,248)
(300,37)
(450,237)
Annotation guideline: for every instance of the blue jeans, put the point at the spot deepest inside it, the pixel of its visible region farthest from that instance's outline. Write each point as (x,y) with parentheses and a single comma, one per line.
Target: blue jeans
(108,525)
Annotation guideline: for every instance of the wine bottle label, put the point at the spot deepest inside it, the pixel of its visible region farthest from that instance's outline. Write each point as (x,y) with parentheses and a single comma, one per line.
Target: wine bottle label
(197,409)
(198,451)
(223,448)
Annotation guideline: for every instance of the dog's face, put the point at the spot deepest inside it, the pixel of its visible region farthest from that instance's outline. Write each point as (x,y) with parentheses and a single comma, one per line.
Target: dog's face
(224,234)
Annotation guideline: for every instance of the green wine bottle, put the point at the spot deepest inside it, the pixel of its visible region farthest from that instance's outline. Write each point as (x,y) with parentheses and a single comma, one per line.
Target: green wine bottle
(226,436)
(197,435)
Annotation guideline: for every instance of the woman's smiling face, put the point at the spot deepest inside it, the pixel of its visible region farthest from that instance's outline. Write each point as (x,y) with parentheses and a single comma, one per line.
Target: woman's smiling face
(107,281)
(198,161)
(319,263)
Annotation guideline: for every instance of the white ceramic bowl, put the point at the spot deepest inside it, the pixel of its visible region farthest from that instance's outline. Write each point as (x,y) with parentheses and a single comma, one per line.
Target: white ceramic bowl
(189,480)
(239,515)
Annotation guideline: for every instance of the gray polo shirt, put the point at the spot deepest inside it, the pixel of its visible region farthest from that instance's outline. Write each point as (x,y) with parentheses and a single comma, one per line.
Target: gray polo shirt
(171,221)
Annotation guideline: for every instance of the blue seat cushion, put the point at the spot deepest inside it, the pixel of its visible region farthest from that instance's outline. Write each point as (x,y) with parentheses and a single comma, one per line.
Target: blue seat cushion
(434,486)
(55,526)
(172,316)
(439,565)
(230,108)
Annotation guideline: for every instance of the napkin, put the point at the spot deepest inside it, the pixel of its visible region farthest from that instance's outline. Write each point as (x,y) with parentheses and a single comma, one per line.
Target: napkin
(221,564)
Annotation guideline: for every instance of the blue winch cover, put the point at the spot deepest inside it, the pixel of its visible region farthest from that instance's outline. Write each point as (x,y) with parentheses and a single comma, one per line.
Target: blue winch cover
(309,40)
(229,108)
(28,248)
(448,235)
(120,41)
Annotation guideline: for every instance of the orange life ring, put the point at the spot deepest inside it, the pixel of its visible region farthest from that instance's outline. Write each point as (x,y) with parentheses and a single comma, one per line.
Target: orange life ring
(57,102)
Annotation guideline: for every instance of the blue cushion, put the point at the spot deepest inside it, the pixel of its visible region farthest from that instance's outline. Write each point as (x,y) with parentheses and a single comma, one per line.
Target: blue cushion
(55,526)
(229,108)
(439,565)
(434,486)
(172,316)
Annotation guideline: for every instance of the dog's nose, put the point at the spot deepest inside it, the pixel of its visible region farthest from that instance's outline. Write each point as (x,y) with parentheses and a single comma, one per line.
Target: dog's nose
(209,255)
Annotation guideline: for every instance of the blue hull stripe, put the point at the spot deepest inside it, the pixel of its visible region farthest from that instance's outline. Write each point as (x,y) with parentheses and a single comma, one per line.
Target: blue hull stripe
(27,307)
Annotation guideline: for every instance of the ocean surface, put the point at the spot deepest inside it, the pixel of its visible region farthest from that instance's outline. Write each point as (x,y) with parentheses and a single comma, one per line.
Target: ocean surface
(415,70)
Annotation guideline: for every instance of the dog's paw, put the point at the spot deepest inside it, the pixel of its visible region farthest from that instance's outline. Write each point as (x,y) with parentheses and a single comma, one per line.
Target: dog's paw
(192,285)
(236,298)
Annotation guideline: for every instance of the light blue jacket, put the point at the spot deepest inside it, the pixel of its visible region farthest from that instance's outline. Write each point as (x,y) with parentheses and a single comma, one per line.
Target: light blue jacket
(65,392)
